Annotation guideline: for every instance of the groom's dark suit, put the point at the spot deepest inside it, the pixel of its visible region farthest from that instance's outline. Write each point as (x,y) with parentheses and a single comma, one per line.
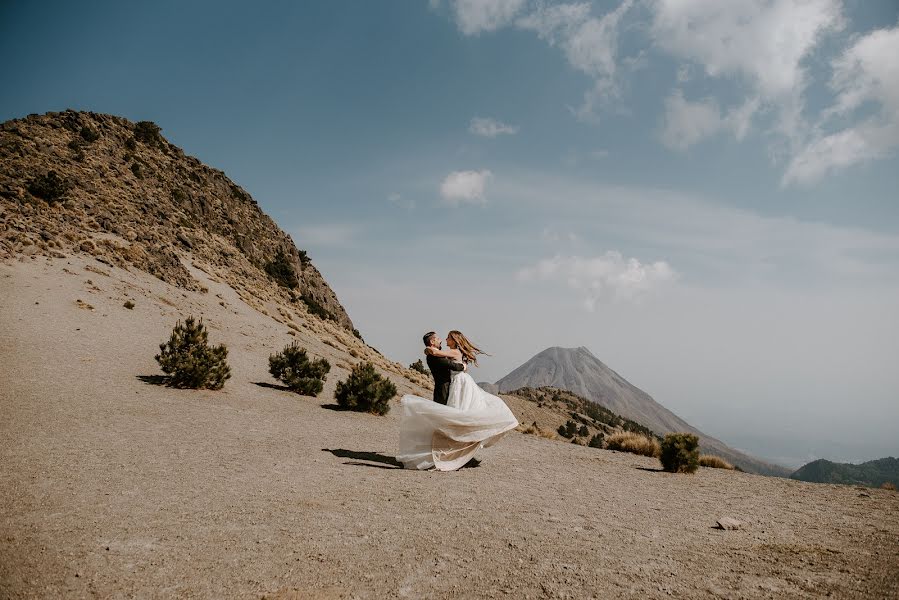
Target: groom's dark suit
(441,371)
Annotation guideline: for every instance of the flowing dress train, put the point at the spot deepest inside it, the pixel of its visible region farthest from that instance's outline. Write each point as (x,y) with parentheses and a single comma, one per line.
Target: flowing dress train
(446,437)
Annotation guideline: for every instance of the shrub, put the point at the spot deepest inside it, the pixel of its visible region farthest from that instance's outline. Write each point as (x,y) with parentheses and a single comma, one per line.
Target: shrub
(583,431)
(535,429)
(365,390)
(138,172)
(304,259)
(569,429)
(50,187)
(420,367)
(129,305)
(596,441)
(680,453)
(89,134)
(293,367)
(888,485)
(282,271)
(635,443)
(714,462)
(190,361)
(148,133)
(131,144)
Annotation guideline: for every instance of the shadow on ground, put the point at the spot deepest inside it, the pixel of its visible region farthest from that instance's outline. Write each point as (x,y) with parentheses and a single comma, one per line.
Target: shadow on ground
(390,461)
(272,386)
(155,379)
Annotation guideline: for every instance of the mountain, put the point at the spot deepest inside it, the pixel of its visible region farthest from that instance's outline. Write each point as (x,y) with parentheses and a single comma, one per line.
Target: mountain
(873,473)
(119,191)
(580,372)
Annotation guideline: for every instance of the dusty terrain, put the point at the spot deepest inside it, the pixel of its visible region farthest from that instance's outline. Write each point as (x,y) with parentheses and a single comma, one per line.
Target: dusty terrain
(115,486)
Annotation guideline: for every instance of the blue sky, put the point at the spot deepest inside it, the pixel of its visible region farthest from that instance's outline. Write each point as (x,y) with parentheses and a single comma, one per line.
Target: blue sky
(702,193)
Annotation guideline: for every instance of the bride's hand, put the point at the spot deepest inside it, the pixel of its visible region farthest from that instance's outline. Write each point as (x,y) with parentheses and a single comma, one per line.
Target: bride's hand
(429,350)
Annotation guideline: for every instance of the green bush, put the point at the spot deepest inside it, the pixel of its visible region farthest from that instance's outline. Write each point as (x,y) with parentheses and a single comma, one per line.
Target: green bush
(583,431)
(282,271)
(596,441)
(190,361)
(89,134)
(50,187)
(420,367)
(569,429)
(365,390)
(293,367)
(680,453)
(148,133)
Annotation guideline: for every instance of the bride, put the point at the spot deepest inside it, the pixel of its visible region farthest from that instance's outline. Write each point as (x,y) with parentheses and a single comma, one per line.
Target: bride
(445,437)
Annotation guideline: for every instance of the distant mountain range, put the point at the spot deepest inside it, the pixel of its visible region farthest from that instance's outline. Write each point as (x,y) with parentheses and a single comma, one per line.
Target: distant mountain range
(580,372)
(873,473)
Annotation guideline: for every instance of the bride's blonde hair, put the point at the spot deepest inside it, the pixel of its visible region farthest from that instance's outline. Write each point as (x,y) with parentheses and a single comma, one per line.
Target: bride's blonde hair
(469,351)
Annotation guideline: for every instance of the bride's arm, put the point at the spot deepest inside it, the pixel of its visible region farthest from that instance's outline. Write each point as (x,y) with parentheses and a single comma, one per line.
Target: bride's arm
(448,353)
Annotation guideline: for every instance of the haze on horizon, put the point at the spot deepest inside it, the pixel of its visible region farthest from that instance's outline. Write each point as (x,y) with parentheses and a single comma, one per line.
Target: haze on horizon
(702,194)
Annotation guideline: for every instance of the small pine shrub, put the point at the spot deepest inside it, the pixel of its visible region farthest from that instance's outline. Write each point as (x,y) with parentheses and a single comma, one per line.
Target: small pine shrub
(89,134)
(50,187)
(420,367)
(129,305)
(304,259)
(596,441)
(282,271)
(190,361)
(293,367)
(569,429)
(635,443)
(148,133)
(680,453)
(714,462)
(131,144)
(365,390)
(583,431)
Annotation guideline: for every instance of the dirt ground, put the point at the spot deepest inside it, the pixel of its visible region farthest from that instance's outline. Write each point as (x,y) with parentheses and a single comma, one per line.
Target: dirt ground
(115,486)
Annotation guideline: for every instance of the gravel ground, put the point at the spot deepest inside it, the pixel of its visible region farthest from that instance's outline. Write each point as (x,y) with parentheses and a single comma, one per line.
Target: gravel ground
(115,486)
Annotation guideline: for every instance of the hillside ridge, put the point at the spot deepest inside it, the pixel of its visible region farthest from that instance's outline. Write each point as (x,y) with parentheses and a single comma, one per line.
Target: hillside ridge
(117,190)
(579,371)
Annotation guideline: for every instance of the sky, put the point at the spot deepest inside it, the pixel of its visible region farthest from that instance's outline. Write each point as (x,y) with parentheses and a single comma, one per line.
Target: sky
(702,193)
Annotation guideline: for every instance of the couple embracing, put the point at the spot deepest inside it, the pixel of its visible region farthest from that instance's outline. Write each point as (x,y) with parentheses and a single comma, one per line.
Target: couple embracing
(446,432)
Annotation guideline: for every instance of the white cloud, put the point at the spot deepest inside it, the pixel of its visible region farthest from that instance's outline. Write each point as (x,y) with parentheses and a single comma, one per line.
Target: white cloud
(687,123)
(590,45)
(475,16)
(764,42)
(606,277)
(867,72)
(465,187)
(761,45)
(397,199)
(490,127)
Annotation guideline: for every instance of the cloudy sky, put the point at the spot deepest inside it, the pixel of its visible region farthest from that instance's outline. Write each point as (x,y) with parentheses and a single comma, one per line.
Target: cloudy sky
(703,193)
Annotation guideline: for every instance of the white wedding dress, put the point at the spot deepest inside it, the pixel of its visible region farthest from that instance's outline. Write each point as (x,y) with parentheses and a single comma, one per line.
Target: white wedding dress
(446,437)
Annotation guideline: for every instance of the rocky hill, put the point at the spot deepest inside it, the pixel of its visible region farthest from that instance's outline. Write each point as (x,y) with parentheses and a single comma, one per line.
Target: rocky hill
(579,371)
(119,191)
(873,473)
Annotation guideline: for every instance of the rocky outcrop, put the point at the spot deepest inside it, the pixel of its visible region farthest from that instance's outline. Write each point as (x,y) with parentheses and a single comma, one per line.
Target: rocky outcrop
(100,184)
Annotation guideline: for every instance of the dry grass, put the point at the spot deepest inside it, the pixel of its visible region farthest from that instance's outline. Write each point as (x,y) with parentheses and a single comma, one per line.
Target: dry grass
(714,462)
(635,443)
(534,429)
(886,485)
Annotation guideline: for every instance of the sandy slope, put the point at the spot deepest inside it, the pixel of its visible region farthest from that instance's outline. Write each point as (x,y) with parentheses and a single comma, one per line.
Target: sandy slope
(114,487)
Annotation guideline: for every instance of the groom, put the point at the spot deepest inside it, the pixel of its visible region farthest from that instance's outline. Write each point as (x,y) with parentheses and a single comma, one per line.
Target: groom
(440,368)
